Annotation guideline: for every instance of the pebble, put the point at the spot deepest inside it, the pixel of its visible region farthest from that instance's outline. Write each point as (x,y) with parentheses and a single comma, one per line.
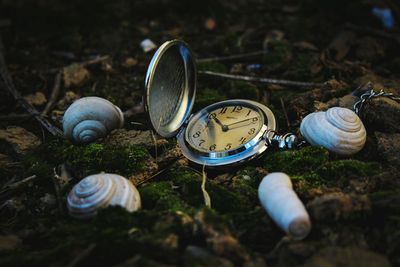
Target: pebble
(20,139)
(36,99)
(333,206)
(9,242)
(148,45)
(346,257)
(389,147)
(75,75)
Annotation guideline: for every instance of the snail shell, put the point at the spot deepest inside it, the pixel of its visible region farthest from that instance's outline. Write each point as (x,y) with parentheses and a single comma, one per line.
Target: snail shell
(339,130)
(99,191)
(282,204)
(90,118)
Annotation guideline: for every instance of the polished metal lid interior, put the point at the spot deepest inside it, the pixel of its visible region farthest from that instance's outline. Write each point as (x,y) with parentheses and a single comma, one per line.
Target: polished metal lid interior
(170,87)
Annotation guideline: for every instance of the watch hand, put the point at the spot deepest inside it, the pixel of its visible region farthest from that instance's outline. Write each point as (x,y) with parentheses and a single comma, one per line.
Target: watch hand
(240,122)
(223,126)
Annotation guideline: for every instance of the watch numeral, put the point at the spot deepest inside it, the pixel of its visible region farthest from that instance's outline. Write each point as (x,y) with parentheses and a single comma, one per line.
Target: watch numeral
(201,142)
(212,116)
(242,140)
(237,109)
(252,130)
(213,147)
(255,119)
(223,110)
(197,134)
(248,113)
(228,146)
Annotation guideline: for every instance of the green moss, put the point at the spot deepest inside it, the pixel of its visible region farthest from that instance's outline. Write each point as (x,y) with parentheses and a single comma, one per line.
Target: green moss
(300,67)
(348,168)
(109,158)
(279,56)
(296,162)
(188,183)
(35,165)
(207,97)
(212,66)
(244,90)
(87,159)
(161,196)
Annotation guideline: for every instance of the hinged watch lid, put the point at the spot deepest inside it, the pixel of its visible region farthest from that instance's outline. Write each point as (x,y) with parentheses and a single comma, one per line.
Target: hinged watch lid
(170,87)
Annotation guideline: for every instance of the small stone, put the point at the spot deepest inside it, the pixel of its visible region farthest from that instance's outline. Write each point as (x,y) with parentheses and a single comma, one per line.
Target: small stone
(130,62)
(20,139)
(370,49)
(148,45)
(382,114)
(333,206)
(210,24)
(37,99)
(389,147)
(132,137)
(75,75)
(9,242)
(201,257)
(48,200)
(347,257)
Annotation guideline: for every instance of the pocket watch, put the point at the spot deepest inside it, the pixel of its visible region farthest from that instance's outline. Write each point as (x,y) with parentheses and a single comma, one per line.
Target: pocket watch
(226,133)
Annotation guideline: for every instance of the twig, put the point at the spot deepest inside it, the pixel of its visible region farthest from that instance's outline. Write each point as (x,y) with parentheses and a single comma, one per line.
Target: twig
(261,80)
(57,191)
(86,252)
(7,83)
(54,94)
(90,62)
(94,61)
(18,184)
(285,112)
(232,57)
(374,32)
(10,117)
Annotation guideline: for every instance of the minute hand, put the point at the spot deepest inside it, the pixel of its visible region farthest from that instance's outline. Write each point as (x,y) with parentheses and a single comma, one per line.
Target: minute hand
(238,122)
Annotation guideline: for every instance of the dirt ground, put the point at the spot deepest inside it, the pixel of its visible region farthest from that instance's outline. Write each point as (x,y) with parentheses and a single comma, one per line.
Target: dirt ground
(55,52)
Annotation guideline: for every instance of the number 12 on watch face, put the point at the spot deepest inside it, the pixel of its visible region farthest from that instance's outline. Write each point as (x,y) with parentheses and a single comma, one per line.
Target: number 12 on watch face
(223,128)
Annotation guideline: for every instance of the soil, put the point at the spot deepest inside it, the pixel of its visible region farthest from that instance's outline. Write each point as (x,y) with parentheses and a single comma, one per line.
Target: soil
(59,51)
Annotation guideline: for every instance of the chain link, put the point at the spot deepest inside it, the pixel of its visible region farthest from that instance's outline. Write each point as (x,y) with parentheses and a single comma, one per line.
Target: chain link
(358,106)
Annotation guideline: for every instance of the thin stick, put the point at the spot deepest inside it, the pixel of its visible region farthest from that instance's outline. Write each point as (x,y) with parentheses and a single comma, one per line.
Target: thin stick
(232,57)
(86,252)
(261,80)
(54,94)
(55,179)
(12,116)
(94,61)
(18,184)
(7,83)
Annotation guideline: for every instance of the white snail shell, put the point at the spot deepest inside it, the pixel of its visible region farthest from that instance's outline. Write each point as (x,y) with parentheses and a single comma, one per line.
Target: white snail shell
(90,118)
(339,130)
(99,191)
(283,206)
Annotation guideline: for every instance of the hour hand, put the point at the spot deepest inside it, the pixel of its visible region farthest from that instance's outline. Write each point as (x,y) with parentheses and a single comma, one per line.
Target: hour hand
(223,126)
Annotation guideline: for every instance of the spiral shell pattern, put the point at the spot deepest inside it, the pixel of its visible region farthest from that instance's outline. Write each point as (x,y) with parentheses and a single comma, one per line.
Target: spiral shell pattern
(99,191)
(90,118)
(339,130)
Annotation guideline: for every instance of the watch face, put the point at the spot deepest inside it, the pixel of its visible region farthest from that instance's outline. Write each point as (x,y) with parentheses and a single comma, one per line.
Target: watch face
(224,127)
